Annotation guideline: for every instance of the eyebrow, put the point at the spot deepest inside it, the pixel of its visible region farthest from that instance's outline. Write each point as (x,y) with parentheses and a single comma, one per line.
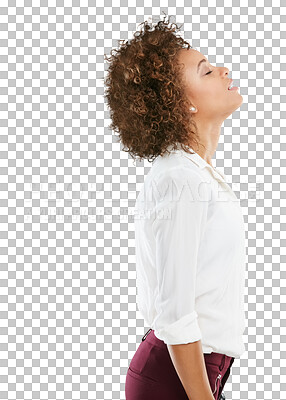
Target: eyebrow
(200,63)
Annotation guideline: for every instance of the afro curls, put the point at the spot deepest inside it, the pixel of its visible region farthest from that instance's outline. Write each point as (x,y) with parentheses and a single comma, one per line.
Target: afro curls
(145,94)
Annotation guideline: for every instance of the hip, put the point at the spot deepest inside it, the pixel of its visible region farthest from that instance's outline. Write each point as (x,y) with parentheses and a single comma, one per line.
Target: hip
(151,372)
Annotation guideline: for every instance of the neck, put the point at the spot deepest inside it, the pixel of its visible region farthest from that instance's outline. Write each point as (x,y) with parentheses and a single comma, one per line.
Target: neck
(208,140)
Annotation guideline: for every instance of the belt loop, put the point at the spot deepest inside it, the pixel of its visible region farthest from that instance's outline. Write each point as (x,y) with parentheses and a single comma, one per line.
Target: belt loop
(144,337)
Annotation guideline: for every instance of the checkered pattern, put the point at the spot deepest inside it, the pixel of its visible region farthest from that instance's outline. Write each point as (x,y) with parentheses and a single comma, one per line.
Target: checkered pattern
(69,320)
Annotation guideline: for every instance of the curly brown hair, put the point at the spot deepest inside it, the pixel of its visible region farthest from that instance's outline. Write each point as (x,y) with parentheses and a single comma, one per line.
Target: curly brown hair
(145,93)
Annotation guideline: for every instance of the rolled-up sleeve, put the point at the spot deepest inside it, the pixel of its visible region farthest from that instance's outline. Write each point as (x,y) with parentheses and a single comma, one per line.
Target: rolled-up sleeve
(182,199)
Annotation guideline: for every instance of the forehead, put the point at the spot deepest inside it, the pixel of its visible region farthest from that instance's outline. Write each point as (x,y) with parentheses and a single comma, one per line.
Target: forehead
(190,57)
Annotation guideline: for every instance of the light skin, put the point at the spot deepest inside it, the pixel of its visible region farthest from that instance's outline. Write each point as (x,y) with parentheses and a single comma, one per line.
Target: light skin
(207,90)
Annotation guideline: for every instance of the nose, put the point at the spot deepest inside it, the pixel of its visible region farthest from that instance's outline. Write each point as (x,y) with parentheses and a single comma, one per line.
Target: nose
(225,70)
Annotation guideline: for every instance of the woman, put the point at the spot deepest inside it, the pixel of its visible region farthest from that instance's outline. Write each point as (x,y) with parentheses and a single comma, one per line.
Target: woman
(168,104)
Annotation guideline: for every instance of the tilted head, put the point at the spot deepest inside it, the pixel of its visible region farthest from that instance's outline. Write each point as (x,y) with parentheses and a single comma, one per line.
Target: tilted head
(151,84)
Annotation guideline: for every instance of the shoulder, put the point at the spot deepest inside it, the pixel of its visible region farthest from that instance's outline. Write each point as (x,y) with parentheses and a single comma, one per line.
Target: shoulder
(177,174)
(175,166)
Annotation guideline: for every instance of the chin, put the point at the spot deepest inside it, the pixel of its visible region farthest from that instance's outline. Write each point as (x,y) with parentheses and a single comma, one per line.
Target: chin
(241,97)
(238,103)
(227,114)
(241,100)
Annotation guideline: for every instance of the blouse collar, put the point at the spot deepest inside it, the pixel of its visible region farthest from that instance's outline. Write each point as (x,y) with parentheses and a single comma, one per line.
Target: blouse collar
(201,163)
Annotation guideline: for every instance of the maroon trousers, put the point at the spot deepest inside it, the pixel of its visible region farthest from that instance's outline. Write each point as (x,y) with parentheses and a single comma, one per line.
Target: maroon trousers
(151,374)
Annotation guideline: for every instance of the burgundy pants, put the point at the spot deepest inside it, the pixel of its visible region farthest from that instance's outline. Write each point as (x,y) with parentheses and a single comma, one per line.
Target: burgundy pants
(151,374)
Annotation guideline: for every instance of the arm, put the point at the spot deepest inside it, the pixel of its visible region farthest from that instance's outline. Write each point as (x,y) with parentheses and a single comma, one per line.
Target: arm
(189,363)
(178,238)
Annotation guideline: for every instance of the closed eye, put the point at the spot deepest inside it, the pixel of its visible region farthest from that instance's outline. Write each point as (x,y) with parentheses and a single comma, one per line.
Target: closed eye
(208,72)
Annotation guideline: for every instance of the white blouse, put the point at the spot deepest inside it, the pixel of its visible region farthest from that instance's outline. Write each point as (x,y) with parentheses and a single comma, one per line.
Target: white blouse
(190,255)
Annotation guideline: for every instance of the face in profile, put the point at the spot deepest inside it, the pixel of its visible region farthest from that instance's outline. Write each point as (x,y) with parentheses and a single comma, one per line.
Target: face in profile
(207,87)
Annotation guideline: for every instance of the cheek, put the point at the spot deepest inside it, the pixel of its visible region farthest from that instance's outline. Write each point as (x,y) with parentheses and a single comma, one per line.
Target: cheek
(200,92)
(207,92)
(213,92)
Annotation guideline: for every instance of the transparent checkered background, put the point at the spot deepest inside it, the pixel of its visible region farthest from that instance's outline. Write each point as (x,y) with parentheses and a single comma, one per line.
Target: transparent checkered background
(69,321)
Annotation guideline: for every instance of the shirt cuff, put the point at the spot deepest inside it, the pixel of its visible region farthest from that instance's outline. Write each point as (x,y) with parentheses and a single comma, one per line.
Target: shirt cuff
(185,330)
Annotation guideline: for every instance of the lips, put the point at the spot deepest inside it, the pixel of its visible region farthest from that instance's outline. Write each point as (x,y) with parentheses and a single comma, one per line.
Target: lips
(230,83)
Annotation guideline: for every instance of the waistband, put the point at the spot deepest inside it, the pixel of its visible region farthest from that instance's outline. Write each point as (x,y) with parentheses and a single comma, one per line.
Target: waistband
(213,358)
